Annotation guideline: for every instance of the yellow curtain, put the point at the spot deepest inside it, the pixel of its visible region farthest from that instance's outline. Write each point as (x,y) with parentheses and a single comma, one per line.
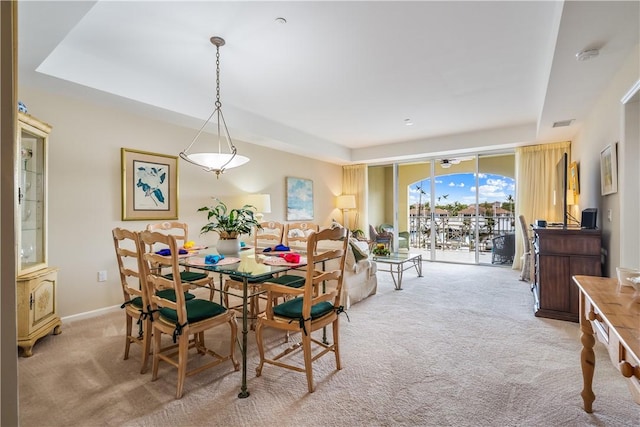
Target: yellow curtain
(355,181)
(535,174)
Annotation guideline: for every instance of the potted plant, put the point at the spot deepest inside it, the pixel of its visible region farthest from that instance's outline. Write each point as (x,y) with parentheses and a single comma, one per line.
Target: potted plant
(229,224)
(381,250)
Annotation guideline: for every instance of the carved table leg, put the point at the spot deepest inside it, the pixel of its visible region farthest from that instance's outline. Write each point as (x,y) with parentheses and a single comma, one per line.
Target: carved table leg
(587,357)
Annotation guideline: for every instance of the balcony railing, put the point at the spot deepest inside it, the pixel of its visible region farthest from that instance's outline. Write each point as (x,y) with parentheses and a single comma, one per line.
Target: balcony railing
(457,232)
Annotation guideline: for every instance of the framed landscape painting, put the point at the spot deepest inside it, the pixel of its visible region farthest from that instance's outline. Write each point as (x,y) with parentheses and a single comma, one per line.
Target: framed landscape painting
(608,170)
(299,199)
(149,185)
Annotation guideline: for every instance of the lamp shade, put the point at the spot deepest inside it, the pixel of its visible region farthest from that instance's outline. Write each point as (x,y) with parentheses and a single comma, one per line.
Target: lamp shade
(346,201)
(262,202)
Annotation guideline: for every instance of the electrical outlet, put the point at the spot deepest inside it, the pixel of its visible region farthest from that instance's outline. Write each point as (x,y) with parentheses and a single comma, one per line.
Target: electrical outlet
(102,276)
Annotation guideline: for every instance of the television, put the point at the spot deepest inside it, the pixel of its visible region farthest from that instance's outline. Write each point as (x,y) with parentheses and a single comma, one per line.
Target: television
(560,191)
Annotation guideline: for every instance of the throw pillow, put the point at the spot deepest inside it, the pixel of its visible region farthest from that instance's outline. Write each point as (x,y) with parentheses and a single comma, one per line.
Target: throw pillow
(358,252)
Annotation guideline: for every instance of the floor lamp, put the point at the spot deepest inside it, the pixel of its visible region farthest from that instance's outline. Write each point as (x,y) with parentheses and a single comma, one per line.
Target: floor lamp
(346,202)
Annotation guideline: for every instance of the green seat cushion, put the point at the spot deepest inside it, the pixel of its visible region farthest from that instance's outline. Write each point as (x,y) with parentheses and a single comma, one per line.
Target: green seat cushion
(188,276)
(289,280)
(137,302)
(254,280)
(197,310)
(171,295)
(292,309)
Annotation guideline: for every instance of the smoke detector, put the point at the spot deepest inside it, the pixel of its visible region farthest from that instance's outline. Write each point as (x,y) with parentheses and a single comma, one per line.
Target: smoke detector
(585,55)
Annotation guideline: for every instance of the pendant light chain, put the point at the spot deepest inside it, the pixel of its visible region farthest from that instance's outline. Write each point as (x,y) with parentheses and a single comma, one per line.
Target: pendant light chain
(220,161)
(218,103)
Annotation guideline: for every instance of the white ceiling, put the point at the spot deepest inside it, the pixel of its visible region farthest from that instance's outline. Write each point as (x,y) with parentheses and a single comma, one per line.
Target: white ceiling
(339,79)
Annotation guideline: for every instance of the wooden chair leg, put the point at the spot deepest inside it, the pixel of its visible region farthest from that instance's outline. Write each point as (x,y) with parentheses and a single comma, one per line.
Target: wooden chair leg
(183,348)
(260,343)
(212,290)
(232,343)
(127,343)
(336,342)
(146,344)
(306,348)
(156,354)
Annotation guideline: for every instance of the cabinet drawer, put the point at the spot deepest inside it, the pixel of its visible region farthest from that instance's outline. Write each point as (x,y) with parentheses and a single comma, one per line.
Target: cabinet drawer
(560,244)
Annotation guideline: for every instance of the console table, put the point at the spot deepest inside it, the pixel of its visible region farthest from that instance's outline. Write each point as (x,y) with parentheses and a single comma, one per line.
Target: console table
(612,313)
(561,253)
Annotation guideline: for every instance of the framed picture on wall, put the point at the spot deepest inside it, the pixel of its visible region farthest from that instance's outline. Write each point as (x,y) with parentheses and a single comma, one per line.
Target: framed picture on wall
(608,170)
(299,199)
(149,185)
(574,181)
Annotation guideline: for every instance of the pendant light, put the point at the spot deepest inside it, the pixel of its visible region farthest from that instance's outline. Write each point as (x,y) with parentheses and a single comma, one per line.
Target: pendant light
(216,161)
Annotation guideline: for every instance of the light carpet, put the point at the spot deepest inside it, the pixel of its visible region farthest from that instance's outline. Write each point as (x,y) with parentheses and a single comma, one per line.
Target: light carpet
(457,347)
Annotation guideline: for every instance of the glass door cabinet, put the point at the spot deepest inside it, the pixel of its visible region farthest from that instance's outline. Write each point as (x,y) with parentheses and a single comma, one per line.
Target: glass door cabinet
(36,281)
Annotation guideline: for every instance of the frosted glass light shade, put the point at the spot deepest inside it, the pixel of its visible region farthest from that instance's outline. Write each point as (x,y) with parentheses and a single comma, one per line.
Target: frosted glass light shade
(216,161)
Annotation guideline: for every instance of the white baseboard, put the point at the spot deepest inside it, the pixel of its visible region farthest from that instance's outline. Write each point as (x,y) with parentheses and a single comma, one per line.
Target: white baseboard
(90,314)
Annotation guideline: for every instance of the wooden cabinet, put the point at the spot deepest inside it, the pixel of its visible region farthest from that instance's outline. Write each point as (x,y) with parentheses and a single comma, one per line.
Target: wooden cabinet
(37,311)
(560,254)
(37,282)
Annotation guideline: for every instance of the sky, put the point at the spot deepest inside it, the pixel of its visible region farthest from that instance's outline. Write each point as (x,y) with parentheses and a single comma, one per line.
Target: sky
(462,187)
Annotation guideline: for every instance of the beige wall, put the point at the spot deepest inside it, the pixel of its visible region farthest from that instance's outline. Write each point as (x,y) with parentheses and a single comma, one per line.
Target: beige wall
(601,128)
(84,189)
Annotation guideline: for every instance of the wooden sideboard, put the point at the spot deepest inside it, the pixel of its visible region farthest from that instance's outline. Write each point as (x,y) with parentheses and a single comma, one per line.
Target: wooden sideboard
(612,313)
(561,253)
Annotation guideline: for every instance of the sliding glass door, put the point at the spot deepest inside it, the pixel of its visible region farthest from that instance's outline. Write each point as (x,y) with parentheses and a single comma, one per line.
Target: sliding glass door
(450,209)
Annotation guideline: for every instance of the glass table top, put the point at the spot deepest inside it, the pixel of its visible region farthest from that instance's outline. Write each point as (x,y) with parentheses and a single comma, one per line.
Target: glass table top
(249,264)
(396,257)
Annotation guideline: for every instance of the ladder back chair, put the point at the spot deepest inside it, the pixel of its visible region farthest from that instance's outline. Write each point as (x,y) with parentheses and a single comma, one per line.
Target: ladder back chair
(270,235)
(180,319)
(297,234)
(136,300)
(311,309)
(180,230)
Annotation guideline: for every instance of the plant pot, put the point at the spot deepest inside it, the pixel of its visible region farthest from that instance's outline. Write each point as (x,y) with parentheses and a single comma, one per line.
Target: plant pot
(228,246)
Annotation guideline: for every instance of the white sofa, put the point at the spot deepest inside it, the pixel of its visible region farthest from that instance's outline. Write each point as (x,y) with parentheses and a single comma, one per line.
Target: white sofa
(360,280)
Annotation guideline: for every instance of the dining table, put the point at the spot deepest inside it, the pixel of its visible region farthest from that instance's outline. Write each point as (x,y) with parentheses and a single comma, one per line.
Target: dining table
(251,266)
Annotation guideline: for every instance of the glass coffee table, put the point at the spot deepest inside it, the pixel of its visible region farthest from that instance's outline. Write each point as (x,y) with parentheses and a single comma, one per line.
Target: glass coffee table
(398,264)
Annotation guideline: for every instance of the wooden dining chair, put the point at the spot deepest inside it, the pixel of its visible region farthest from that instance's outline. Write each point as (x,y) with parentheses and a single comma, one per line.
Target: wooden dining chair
(270,235)
(180,230)
(180,319)
(136,300)
(310,309)
(297,234)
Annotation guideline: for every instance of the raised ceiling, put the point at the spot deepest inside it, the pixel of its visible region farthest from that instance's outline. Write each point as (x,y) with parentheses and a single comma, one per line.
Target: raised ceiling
(338,80)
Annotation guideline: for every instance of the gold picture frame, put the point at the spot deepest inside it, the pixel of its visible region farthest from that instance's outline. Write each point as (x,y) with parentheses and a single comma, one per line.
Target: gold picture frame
(574,181)
(149,185)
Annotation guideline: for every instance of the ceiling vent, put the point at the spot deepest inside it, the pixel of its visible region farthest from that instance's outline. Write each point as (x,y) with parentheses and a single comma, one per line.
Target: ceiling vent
(563,123)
